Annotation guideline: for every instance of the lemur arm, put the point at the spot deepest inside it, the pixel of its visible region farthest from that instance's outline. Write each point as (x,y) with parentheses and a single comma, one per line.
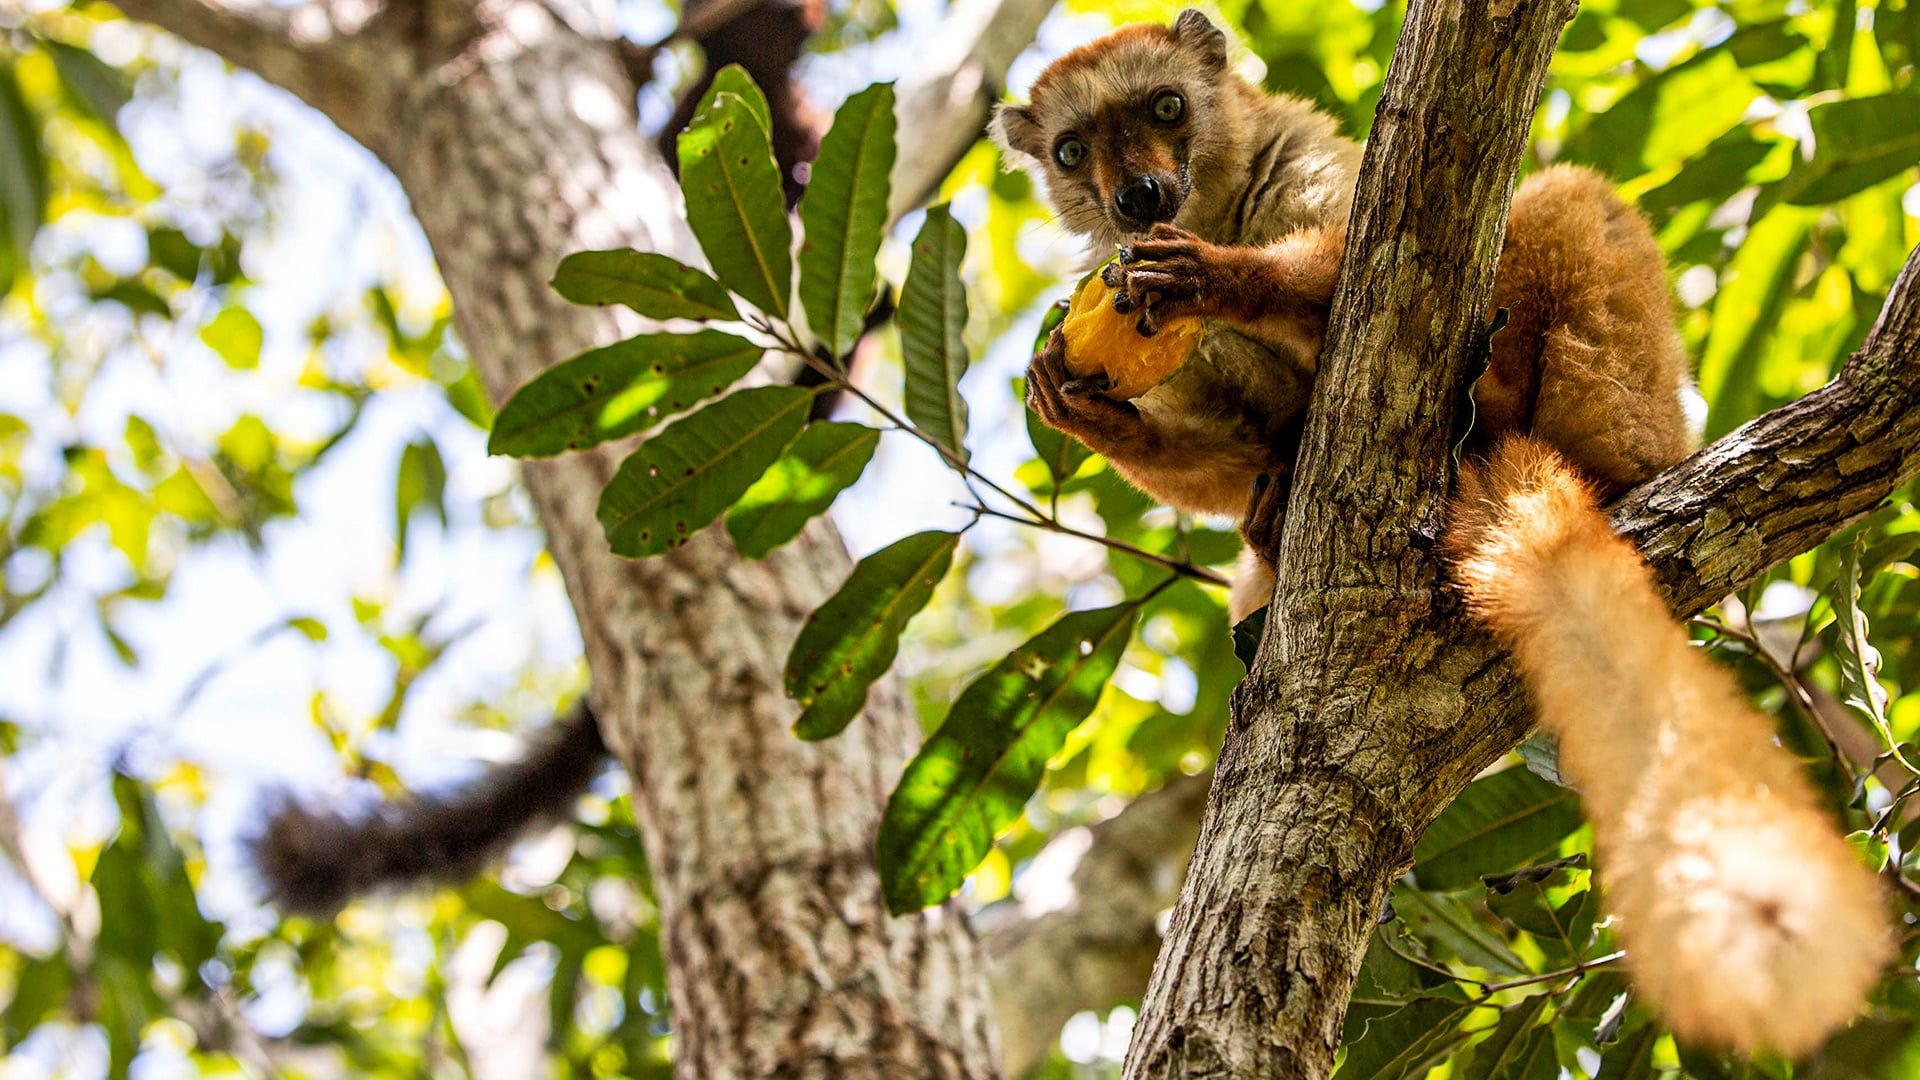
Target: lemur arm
(1278,293)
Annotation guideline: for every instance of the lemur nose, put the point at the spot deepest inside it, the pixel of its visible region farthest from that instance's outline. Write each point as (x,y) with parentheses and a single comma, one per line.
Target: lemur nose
(1141,199)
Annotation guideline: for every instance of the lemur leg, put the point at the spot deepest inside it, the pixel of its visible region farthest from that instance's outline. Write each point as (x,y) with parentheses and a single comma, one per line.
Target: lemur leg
(1254,577)
(1279,293)
(1592,341)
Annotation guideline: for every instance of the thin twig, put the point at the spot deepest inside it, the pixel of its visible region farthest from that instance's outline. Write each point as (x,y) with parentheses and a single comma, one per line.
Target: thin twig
(1489,989)
(1789,681)
(1179,567)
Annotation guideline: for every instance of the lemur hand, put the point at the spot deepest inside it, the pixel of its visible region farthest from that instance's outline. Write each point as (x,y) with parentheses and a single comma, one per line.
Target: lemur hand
(1078,407)
(1170,273)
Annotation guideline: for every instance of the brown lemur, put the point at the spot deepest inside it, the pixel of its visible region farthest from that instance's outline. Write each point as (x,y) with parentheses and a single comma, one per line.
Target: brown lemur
(1745,917)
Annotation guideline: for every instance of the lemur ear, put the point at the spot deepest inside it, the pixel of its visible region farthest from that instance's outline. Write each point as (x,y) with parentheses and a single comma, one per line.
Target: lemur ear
(1016,132)
(1197,32)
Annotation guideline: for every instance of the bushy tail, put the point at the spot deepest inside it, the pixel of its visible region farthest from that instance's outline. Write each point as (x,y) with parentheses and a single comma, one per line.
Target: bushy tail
(1747,920)
(314,859)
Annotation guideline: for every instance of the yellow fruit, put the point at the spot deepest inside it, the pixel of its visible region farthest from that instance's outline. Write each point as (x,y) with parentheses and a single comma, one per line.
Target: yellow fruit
(1102,341)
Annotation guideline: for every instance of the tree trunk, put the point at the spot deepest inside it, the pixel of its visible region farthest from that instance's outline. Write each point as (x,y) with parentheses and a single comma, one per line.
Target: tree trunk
(515,136)
(1351,733)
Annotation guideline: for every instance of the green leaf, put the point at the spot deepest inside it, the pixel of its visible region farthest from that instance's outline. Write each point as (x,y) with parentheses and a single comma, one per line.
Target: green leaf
(99,88)
(1856,143)
(1405,1042)
(843,216)
(1632,1058)
(23,165)
(40,989)
(735,204)
(1498,823)
(1564,931)
(1509,1052)
(420,484)
(1444,919)
(235,336)
(829,457)
(684,477)
(733,79)
(1061,454)
(1753,290)
(1673,114)
(851,640)
(933,316)
(973,776)
(650,283)
(617,390)
(1859,660)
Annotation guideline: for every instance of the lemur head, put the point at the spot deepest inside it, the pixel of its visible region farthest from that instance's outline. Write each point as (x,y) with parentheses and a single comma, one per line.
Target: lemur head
(1118,126)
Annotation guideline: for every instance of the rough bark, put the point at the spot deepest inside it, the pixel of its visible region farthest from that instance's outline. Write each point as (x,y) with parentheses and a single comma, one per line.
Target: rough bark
(1339,750)
(511,127)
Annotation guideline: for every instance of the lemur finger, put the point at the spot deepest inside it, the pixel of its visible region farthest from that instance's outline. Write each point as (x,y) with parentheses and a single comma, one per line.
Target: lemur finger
(1112,274)
(1163,230)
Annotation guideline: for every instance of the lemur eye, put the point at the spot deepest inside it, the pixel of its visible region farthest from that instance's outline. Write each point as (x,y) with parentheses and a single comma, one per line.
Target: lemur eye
(1169,107)
(1070,153)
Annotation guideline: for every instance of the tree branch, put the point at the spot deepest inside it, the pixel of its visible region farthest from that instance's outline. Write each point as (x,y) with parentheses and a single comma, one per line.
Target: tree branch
(943,104)
(297,48)
(1788,480)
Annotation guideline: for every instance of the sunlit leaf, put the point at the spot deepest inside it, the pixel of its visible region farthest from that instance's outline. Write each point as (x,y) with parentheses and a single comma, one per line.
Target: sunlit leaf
(618,390)
(1857,143)
(851,640)
(420,484)
(1672,114)
(827,458)
(933,317)
(235,336)
(843,215)
(974,775)
(688,474)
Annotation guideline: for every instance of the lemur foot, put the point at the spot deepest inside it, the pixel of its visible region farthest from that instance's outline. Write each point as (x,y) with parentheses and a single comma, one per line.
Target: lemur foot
(1170,273)
(1266,514)
(1077,406)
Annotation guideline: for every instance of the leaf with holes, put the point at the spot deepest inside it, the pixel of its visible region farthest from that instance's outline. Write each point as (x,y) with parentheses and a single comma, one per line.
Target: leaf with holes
(684,477)
(973,776)
(733,79)
(1498,823)
(851,640)
(617,390)
(646,281)
(829,457)
(933,315)
(735,205)
(843,216)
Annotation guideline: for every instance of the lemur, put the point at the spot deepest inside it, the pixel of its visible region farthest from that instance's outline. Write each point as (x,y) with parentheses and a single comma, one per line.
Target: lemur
(1745,917)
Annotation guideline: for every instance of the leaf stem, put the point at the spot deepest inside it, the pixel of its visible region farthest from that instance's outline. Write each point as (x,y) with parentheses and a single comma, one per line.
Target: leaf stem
(1034,517)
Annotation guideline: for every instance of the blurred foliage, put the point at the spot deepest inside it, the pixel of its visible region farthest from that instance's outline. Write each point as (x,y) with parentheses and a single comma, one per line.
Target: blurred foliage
(1773,145)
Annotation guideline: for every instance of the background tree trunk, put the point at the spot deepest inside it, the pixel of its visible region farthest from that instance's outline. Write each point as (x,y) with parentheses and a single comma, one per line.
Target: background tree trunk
(511,126)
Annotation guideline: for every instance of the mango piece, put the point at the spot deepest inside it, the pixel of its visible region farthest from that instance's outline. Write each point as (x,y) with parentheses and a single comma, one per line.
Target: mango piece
(1101,341)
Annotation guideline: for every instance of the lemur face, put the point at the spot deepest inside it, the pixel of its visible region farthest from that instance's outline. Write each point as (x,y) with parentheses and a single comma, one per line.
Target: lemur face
(1117,125)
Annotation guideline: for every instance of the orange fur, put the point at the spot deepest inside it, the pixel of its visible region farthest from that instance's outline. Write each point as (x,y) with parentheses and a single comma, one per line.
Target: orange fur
(1747,921)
